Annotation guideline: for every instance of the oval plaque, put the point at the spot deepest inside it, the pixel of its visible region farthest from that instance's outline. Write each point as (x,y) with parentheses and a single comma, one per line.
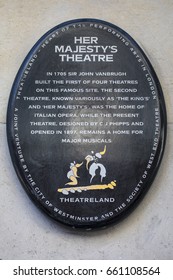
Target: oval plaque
(86,123)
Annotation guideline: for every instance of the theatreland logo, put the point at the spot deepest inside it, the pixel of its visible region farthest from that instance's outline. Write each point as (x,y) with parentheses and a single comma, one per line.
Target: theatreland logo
(94,168)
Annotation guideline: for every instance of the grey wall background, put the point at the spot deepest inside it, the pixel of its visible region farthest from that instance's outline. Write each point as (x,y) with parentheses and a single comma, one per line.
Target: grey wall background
(25,233)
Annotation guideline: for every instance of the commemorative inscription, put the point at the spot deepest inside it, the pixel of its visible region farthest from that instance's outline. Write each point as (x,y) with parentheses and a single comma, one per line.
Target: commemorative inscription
(86,123)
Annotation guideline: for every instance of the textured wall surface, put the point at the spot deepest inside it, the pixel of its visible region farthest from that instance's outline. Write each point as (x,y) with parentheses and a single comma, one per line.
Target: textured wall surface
(25,233)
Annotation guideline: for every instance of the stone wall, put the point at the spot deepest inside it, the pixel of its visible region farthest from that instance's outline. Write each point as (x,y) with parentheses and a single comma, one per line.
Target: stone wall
(25,232)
